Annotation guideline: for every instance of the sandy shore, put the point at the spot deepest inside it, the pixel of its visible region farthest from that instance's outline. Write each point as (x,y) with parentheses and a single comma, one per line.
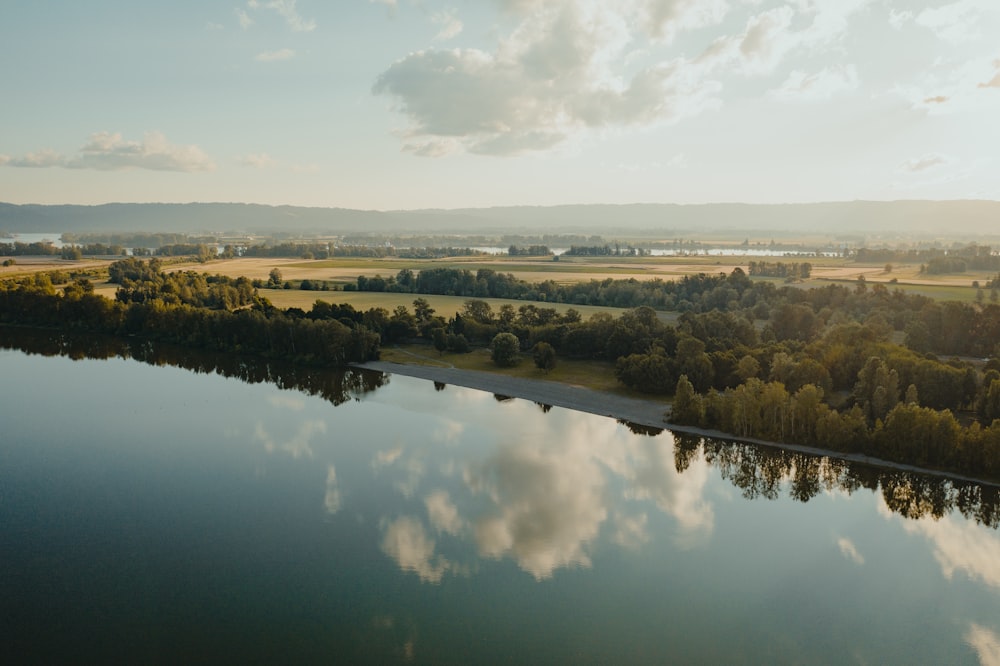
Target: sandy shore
(651,412)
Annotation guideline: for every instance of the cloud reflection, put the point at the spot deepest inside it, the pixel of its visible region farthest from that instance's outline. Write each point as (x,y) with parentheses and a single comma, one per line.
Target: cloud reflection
(298,445)
(849,550)
(406,541)
(543,497)
(986,643)
(331,499)
(958,545)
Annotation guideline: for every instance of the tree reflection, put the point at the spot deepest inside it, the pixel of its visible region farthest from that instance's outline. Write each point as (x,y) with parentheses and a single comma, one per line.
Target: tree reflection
(335,386)
(765,472)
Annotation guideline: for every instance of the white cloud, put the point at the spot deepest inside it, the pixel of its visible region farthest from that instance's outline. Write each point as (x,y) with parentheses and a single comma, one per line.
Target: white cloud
(273,56)
(39,159)
(820,86)
(107,151)
(451,26)
(214,26)
(849,550)
(898,19)
(957,22)
(243,18)
(986,643)
(406,541)
(924,163)
(993,82)
(286,9)
(265,161)
(551,78)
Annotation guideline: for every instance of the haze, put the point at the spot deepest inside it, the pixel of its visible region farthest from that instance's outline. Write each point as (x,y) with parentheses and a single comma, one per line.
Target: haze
(405,104)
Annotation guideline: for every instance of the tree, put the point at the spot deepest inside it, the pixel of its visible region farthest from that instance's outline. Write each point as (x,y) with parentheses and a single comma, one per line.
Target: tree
(274,278)
(545,356)
(421,308)
(505,347)
(440,339)
(687,406)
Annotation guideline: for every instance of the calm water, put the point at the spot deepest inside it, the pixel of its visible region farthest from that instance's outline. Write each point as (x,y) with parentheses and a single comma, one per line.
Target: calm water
(152,513)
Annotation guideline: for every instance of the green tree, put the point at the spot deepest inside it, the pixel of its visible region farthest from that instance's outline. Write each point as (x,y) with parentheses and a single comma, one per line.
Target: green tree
(274,278)
(440,339)
(504,349)
(544,356)
(687,408)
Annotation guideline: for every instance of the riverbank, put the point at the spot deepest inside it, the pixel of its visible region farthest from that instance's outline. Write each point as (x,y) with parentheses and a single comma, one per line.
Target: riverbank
(651,413)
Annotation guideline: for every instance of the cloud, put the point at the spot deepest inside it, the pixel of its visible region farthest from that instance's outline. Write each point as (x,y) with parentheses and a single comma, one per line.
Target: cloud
(286,9)
(37,160)
(265,161)
(924,162)
(898,19)
(995,81)
(820,86)
(451,26)
(957,22)
(849,550)
(552,77)
(106,151)
(214,26)
(985,642)
(243,18)
(406,541)
(272,56)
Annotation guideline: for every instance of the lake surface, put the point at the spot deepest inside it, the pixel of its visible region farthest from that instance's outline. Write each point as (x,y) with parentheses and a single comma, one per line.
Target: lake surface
(171,507)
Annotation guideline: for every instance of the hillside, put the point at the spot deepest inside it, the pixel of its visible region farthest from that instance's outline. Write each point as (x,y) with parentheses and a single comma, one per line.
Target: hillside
(895,217)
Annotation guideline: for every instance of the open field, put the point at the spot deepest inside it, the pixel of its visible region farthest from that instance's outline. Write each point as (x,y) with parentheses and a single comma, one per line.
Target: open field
(596,375)
(446,306)
(568,270)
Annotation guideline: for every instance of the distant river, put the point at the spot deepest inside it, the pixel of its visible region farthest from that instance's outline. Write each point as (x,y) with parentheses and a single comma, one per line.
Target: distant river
(175,507)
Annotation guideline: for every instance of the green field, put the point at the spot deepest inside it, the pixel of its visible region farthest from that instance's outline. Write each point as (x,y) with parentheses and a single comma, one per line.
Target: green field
(597,375)
(446,306)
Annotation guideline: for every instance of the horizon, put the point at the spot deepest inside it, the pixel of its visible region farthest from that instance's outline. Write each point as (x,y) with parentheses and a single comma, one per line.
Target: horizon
(389,105)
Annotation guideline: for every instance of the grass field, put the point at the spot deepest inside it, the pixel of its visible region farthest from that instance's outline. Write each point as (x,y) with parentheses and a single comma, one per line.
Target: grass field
(567,270)
(446,306)
(597,375)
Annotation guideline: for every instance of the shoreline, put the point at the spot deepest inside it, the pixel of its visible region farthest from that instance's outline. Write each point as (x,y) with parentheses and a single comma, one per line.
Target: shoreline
(650,413)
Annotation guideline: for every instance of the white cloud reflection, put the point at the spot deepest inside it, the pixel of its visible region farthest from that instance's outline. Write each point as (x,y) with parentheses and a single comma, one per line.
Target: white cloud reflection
(406,541)
(986,643)
(542,497)
(331,499)
(959,545)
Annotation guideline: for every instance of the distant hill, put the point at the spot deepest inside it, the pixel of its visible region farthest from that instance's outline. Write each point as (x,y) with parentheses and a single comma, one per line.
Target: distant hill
(900,217)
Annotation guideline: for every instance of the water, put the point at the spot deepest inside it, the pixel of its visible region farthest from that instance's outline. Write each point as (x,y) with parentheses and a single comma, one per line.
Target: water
(183,507)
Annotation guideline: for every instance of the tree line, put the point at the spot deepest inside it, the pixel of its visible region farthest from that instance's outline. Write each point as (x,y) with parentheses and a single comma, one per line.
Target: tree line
(189,310)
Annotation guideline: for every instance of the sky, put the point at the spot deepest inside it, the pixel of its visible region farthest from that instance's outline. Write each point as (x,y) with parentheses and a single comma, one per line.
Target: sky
(405,104)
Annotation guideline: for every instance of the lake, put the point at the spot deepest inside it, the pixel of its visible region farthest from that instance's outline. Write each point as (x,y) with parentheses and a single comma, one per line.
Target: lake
(165,506)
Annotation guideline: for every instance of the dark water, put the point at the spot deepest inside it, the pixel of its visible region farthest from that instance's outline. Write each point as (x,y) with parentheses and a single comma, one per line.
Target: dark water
(184,508)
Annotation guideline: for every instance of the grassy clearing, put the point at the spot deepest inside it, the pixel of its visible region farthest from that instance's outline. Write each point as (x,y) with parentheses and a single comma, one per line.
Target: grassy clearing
(597,375)
(446,306)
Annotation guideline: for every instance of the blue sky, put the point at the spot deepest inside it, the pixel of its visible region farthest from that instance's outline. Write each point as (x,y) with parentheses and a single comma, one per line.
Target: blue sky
(394,104)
